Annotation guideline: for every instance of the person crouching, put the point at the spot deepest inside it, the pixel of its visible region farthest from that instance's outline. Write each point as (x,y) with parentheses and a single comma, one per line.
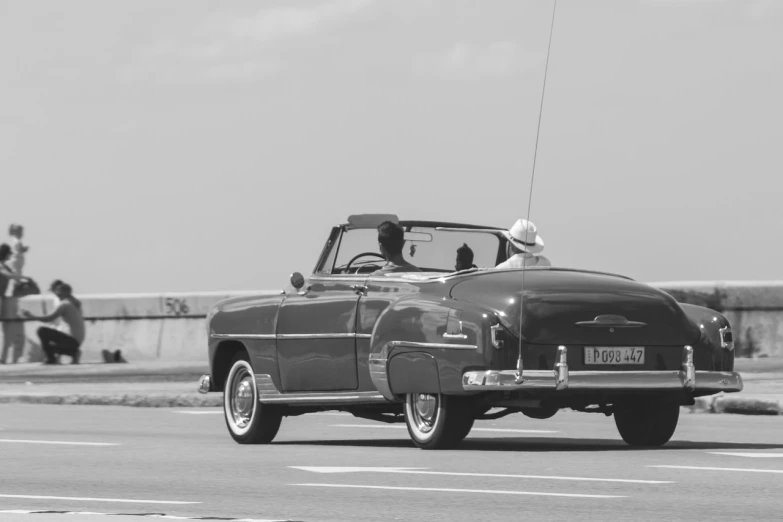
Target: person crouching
(69,336)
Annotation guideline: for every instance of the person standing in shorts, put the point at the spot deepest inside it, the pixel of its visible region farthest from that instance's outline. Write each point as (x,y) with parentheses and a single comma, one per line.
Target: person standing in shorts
(13,329)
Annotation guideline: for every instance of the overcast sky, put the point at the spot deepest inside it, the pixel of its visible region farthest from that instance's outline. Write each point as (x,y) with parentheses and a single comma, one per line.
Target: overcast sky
(191,145)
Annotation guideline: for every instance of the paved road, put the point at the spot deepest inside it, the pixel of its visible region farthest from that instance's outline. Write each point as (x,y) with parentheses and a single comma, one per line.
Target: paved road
(571,467)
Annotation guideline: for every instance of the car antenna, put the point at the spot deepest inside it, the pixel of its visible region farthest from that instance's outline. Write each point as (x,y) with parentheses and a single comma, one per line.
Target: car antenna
(532,178)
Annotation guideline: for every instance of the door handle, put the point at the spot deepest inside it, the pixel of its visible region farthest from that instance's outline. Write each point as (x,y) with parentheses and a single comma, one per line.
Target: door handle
(459,335)
(359,289)
(455,336)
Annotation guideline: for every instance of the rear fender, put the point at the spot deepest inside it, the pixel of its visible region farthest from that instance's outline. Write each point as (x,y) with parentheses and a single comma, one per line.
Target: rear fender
(429,326)
(413,372)
(710,352)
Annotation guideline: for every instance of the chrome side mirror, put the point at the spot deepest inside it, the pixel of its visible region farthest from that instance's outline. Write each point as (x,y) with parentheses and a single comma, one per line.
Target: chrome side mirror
(297,280)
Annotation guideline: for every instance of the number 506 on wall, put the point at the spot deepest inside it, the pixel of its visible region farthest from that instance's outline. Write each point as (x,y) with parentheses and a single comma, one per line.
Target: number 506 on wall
(174,306)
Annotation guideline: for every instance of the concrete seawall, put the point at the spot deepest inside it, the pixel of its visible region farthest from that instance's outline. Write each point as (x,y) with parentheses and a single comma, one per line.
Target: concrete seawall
(170,327)
(754,309)
(146,327)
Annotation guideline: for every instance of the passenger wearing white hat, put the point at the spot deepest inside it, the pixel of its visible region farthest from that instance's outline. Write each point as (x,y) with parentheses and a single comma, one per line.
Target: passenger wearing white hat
(524,246)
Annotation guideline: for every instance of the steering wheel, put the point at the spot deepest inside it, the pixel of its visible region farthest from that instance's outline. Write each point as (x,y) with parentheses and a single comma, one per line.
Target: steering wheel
(363,254)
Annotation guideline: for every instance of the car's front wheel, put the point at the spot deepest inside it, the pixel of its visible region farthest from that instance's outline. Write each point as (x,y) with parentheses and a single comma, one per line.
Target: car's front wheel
(248,421)
(437,421)
(647,424)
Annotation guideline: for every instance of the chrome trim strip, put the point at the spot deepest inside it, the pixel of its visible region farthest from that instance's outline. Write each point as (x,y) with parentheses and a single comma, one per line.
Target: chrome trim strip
(243,336)
(560,378)
(315,397)
(268,392)
(439,346)
(379,360)
(487,230)
(688,372)
(293,336)
(338,278)
(561,369)
(601,380)
(318,336)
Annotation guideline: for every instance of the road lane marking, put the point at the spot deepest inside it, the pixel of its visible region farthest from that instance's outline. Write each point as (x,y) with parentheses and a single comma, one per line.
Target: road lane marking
(704,468)
(751,455)
(150,515)
(422,471)
(220,412)
(69,443)
(92,499)
(382,426)
(452,490)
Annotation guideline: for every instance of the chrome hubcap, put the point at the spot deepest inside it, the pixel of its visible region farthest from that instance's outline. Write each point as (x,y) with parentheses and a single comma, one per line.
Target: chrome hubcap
(425,411)
(242,398)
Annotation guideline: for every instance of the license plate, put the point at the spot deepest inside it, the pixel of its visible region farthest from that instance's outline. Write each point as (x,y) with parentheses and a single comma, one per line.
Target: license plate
(614,355)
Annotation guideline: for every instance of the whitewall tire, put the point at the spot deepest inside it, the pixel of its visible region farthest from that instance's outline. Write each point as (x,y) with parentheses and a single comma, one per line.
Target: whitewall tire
(436,421)
(248,421)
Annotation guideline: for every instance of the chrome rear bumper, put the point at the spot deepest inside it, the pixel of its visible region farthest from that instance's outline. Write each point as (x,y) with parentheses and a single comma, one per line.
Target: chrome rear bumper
(560,378)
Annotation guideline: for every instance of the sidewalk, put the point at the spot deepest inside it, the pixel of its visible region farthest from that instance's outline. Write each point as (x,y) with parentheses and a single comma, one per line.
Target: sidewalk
(161,384)
(38,373)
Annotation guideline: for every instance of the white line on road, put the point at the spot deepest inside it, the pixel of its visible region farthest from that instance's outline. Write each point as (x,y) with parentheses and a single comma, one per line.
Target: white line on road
(450,490)
(92,513)
(90,499)
(699,468)
(220,412)
(752,455)
(382,426)
(20,441)
(414,471)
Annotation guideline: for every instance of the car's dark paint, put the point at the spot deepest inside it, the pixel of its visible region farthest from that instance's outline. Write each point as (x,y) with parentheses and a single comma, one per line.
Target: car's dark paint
(413,372)
(423,318)
(376,297)
(424,334)
(709,346)
(555,300)
(395,309)
(239,316)
(314,362)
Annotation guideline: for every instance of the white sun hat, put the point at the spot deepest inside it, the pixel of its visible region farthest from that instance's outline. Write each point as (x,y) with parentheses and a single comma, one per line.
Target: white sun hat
(524,236)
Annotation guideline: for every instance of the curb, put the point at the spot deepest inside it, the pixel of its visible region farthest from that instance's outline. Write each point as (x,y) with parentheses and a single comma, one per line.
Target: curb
(134,400)
(712,404)
(739,405)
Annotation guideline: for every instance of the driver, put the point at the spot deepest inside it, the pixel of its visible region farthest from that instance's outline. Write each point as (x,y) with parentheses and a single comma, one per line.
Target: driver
(391,239)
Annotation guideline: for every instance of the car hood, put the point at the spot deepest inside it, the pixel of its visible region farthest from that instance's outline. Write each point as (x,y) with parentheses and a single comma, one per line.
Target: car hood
(561,307)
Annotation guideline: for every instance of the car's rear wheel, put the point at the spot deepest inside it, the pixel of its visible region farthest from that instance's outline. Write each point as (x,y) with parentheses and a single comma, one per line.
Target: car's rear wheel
(647,424)
(248,421)
(437,421)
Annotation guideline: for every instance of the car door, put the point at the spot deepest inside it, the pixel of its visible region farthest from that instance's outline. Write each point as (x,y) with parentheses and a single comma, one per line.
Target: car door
(316,335)
(378,293)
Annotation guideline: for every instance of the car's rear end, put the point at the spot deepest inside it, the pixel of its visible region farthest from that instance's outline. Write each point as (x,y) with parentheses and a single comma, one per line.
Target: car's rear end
(597,341)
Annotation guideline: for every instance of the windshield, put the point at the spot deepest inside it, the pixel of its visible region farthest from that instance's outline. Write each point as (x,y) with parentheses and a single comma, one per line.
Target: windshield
(427,248)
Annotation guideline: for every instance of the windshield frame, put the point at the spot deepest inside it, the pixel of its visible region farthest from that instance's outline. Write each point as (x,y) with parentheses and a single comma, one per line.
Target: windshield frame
(326,262)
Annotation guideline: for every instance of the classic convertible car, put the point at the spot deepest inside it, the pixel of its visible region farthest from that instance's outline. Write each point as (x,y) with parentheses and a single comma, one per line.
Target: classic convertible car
(440,349)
